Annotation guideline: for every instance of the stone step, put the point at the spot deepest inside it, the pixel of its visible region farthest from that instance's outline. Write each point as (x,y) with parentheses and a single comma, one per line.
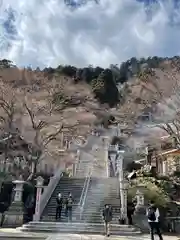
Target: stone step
(65,185)
(79,227)
(52,218)
(51,214)
(103,195)
(100,202)
(67,189)
(53,200)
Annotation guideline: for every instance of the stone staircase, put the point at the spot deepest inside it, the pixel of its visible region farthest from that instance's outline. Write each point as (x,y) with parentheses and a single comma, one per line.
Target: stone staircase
(101,192)
(78,228)
(84,165)
(66,184)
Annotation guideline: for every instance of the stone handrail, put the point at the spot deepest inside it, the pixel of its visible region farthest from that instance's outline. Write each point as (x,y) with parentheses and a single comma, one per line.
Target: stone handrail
(85,193)
(50,189)
(76,164)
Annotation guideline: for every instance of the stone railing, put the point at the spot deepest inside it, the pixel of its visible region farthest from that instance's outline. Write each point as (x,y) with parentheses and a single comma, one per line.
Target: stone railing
(173,224)
(84,194)
(50,189)
(137,150)
(113,148)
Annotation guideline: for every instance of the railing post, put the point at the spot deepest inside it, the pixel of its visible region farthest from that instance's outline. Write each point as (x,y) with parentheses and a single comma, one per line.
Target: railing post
(106,155)
(49,190)
(85,193)
(39,187)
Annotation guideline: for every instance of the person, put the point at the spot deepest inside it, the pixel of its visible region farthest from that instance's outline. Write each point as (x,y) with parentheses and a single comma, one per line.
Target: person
(153,219)
(59,201)
(107,218)
(29,208)
(130,212)
(69,203)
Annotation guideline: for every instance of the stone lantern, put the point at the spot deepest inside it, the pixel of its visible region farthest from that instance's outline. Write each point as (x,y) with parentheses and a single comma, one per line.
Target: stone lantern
(14,215)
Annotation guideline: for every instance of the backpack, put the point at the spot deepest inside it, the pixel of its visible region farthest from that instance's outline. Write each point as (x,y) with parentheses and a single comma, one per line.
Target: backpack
(70,202)
(151,214)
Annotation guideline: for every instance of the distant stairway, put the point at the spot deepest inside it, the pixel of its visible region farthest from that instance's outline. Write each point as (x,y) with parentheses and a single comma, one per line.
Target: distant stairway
(84,165)
(65,185)
(101,191)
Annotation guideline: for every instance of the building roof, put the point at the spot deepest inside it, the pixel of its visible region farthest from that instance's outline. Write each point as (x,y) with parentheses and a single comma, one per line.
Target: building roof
(169,152)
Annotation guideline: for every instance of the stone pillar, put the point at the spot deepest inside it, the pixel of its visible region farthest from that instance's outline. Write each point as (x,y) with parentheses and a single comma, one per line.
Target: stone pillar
(14,215)
(106,154)
(77,159)
(123,196)
(39,186)
(146,155)
(123,186)
(120,172)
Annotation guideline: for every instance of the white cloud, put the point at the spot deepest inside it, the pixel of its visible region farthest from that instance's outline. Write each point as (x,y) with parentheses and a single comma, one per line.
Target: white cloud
(50,33)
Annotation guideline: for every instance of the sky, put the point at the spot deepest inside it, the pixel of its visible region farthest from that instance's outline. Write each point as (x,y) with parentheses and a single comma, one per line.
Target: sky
(87,32)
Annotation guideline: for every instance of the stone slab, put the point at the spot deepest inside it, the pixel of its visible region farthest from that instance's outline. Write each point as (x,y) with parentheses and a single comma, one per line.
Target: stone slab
(13,233)
(100,237)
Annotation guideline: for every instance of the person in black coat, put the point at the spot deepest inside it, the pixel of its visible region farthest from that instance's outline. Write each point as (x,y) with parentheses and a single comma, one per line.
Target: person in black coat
(59,201)
(130,212)
(107,217)
(69,205)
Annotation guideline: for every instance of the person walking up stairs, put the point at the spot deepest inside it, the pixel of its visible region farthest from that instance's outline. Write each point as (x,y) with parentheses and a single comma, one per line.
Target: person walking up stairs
(59,201)
(69,204)
(107,217)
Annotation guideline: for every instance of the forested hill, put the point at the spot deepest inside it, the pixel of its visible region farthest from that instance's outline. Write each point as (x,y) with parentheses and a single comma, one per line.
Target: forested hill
(105,82)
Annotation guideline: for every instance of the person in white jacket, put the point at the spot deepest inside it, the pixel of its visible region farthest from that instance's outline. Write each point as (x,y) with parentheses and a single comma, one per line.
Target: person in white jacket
(153,219)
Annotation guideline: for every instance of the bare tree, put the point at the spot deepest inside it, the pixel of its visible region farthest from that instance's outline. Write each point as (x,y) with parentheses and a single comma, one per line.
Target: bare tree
(160,92)
(62,94)
(41,141)
(68,107)
(9,111)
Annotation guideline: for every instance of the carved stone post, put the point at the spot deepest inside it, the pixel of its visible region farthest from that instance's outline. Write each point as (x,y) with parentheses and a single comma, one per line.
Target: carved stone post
(106,154)
(14,215)
(77,159)
(39,186)
(123,195)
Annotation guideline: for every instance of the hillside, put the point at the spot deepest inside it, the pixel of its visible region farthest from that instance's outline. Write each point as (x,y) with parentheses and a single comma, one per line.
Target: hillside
(51,106)
(104,82)
(43,108)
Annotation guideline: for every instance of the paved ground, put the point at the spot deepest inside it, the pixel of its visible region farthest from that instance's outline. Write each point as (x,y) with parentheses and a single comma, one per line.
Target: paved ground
(16,234)
(97,237)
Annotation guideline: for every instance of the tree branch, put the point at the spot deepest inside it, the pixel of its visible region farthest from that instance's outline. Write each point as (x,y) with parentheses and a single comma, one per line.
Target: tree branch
(31,115)
(51,137)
